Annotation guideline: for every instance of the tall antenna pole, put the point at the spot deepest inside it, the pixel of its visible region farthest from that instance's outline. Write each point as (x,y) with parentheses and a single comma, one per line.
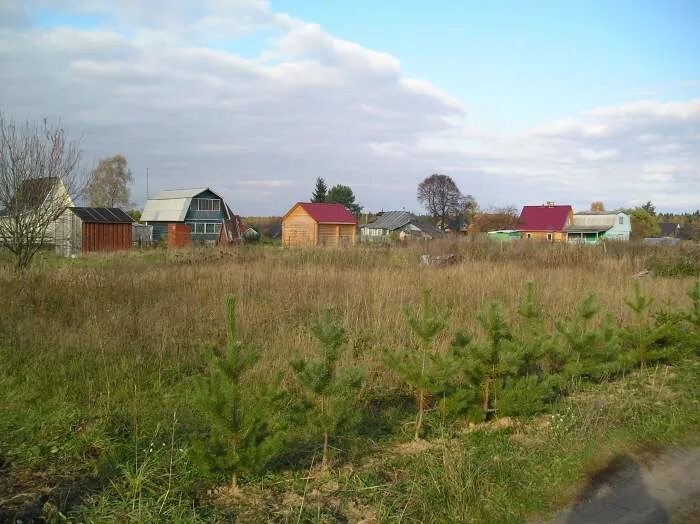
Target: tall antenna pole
(146,183)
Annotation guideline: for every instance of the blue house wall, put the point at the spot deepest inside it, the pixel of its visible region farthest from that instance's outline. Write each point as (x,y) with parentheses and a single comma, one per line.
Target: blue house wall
(205,225)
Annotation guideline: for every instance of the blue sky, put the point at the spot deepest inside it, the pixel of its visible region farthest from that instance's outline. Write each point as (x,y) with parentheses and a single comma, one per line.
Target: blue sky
(519,62)
(520,102)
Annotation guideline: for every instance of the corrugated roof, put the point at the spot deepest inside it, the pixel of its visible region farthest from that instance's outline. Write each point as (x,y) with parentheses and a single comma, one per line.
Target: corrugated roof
(547,217)
(171,205)
(328,213)
(180,193)
(103,215)
(391,220)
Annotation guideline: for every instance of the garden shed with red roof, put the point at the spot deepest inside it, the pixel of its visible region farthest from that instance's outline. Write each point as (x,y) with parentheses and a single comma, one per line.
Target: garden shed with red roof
(318,224)
(545,222)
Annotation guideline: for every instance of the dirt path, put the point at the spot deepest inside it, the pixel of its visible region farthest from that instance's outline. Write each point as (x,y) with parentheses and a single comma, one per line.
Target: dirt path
(663,488)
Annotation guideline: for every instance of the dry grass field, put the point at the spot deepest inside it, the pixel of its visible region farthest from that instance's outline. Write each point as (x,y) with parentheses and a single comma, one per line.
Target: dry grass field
(100,355)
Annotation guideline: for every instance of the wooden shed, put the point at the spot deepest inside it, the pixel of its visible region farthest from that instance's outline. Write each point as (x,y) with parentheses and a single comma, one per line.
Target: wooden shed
(315,224)
(84,229)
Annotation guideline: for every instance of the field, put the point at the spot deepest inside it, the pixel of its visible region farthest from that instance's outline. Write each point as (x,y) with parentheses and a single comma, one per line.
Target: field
(101,356)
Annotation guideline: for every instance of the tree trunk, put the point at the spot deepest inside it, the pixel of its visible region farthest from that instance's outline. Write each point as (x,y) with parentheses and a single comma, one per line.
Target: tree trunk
(324,460)
(485,404)
(419,419)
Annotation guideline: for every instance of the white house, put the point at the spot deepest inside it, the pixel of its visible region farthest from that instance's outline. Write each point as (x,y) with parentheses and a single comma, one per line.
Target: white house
(589,227)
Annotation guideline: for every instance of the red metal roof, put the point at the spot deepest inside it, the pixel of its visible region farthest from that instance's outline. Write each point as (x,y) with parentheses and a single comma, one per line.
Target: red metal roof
(328,213)
(543,218)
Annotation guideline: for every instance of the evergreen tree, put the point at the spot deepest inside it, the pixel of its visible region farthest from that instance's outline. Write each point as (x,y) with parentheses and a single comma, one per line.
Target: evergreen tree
(648,342)
(330,392)
(341,194)
(320,191)
(485,365)
(593,353)
(241,435)
(422,368)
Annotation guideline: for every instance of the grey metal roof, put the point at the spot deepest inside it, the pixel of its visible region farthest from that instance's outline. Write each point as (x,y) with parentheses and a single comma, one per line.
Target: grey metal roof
(586,229)
(171,205)
(104,215)
(391,220)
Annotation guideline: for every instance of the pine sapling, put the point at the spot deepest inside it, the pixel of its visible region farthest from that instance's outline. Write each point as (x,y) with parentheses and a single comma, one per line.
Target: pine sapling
(486,364)
(331,393)
(241,436)
(593,353)
(422,368)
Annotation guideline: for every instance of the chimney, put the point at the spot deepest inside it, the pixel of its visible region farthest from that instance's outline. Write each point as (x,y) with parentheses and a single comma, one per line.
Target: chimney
(550,204)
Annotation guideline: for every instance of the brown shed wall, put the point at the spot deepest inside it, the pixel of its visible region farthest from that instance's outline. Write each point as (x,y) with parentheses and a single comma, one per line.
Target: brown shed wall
(106,237)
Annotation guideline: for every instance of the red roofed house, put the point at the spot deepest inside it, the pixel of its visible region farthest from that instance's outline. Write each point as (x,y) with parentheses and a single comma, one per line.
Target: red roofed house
(308,224)
(545,222)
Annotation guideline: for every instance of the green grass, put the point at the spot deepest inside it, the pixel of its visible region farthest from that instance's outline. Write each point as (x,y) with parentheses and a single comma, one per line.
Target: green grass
(100,356)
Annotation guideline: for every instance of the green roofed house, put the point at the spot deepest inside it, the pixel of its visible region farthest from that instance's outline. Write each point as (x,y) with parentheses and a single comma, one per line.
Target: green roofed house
(590,227)
(503,235)
(209,218)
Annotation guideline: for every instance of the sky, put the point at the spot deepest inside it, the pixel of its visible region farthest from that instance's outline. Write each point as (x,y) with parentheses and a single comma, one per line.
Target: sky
(519,102)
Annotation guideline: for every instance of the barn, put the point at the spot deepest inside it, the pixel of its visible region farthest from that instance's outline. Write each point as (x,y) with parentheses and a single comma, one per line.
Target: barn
(318,224)
(82,230)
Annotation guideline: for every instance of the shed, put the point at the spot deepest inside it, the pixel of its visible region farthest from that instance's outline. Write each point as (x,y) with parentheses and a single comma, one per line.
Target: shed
(318,224)
(85,229)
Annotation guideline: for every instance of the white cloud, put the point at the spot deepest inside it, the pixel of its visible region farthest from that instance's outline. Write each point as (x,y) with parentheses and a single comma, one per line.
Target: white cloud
(163,86)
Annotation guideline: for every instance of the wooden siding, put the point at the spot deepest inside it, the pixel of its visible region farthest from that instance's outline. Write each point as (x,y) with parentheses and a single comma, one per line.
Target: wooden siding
(106,237)
(557,236)
(300,230)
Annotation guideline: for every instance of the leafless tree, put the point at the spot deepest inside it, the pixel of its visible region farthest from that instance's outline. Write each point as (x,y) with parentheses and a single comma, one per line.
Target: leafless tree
(39,179)
(495,219)
(441,198)
(597,207)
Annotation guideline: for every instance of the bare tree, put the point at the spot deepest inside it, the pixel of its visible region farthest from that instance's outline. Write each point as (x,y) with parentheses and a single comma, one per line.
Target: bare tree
(39,178)
(441,198)
(108,183)
(495,219)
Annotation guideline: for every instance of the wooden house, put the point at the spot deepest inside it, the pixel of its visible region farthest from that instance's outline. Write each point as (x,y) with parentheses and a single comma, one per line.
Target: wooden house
(545,222)
(80,230)
(315,224)
(397,224)
(589,227)
(200,210)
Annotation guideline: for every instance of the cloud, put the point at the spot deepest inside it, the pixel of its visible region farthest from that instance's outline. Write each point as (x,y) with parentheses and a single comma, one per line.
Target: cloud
(163,84)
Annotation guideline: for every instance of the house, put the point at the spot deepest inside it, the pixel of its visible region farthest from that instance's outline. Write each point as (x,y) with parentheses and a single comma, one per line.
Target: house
(39,200)
(669,229)
(317,224)
(196,215)
(545,222)
(397,223)
(80,230)
(589,227)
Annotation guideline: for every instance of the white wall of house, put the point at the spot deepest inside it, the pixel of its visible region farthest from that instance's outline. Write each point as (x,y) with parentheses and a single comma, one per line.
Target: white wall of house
(621,229)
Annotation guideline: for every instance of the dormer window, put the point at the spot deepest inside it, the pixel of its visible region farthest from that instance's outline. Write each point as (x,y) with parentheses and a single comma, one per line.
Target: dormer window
(207,204)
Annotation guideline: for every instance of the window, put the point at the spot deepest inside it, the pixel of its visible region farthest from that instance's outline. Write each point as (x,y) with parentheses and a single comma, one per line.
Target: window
(208,204)
(620,219)
(205,228)
(549,236)
(529,235)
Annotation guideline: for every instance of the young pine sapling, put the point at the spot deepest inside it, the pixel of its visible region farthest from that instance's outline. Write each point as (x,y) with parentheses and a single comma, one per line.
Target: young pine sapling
(330,392)
(241,434)
(422,368)
(593,353)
